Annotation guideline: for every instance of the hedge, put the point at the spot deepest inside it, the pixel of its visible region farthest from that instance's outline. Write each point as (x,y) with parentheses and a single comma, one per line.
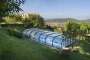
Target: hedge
(12,25)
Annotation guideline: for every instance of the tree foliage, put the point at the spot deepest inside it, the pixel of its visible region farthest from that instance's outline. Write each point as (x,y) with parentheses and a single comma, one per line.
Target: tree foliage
(2,20)
(73,29)
(14,18)
(8,7)
(88,28)
(83,28)
(34,20)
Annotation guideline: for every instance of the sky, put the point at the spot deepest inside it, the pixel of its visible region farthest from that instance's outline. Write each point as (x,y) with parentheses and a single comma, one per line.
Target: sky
(49,9)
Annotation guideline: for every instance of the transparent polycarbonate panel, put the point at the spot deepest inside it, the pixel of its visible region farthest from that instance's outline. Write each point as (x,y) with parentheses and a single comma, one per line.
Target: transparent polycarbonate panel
(37,35)
(49,40)
(72,41)
(57,45)
(28,33)
(57,42)
(65,42)
(68,41)
(32,34)
(45,34)
(42,40)
(61,37)
(25,31)
(55,35)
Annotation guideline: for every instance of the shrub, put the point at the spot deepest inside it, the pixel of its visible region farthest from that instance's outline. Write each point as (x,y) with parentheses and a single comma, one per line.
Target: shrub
(57,30)
(15,33)
(11,31)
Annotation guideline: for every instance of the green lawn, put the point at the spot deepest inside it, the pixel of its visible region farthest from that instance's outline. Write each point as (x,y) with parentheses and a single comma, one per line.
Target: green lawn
(12,48)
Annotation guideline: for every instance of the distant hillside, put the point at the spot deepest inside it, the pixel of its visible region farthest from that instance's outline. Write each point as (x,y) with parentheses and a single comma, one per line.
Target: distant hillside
(65,20)
(60,20)
(88,20)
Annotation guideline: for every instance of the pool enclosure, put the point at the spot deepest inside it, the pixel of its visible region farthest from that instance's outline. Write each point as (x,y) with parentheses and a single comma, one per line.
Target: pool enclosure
(49,38)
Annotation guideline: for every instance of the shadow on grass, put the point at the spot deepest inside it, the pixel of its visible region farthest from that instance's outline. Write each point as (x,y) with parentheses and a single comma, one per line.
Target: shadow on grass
(7,55)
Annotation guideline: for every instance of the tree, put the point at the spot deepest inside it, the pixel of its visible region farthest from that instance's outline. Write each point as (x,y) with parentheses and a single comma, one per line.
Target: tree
(10,20)
(39,22)
(27,23)
(34,20)
(71,30)
(2,20)
(88,28)
(14,18)
(83,29)
(8,7)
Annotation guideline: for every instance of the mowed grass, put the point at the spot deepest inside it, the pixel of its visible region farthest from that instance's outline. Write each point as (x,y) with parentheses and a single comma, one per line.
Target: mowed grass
(81,51)
(12,48)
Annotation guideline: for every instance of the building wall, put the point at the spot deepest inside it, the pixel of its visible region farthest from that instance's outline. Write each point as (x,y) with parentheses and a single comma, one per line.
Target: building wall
(25,15)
